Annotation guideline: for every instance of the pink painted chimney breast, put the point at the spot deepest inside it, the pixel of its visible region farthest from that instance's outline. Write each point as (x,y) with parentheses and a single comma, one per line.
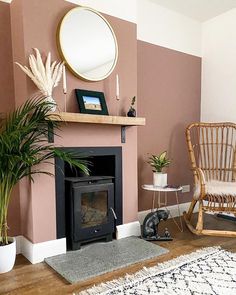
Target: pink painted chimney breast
(39,222)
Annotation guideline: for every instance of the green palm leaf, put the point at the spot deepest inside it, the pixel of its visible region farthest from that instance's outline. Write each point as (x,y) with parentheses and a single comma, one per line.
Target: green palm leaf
(24,145)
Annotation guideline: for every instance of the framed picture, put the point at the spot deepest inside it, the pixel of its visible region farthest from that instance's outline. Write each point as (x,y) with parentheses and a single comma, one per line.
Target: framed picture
(91,102)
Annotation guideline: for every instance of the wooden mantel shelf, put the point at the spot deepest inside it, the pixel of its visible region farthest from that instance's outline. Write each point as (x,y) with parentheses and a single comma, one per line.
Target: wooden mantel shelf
(97,119)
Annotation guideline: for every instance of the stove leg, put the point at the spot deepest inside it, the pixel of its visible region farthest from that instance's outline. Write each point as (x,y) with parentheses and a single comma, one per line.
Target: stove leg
(75,246)
(109,238)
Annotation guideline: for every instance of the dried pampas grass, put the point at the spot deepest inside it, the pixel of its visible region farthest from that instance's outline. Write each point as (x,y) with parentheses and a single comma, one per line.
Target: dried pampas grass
(45,77)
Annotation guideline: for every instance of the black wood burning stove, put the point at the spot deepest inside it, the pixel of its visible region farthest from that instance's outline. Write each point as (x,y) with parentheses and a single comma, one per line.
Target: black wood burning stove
(90,200)
(89,211)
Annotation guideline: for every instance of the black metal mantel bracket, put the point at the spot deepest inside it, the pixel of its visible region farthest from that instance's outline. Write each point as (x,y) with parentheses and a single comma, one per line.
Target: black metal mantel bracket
(50,133)
(123,133)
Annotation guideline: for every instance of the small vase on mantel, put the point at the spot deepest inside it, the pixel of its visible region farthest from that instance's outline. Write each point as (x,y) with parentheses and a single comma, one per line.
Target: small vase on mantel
(53,103)
(159,179)
(132,111)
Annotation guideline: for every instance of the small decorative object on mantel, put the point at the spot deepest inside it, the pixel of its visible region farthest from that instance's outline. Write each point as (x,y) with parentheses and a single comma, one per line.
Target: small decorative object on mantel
(150,226)
(91,102)
(45,76)
(132,111)
(158,163)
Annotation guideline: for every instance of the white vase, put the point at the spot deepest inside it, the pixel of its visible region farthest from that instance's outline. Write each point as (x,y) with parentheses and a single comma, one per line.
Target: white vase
(159,179)
(7,256)
(53,103)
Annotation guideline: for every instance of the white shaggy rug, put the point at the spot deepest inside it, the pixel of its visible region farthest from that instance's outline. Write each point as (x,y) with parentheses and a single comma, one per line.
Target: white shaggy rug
(208,271)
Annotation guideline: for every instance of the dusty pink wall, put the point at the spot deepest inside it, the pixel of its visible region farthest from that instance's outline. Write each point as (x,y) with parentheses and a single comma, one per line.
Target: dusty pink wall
(20,87)
(169,85)
(7,100)
(38,212)
(18,49)
(6,74)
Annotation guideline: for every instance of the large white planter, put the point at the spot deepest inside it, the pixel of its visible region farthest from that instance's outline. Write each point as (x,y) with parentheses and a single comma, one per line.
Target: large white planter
(7,256)
(159,179)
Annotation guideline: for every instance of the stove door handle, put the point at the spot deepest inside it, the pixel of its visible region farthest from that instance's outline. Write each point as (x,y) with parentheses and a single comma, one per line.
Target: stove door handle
(113,212)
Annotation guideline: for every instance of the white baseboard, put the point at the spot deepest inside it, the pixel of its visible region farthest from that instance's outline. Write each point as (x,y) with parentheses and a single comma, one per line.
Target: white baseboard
(128,229)
(36,253)
(18,244)
(173,211)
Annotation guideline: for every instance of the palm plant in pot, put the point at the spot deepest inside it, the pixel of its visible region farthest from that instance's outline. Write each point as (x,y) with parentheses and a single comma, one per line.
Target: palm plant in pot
(24,145)
(158,162)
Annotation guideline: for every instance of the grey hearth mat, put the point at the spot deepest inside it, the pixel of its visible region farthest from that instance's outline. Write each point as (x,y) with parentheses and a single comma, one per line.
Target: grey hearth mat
(100,258)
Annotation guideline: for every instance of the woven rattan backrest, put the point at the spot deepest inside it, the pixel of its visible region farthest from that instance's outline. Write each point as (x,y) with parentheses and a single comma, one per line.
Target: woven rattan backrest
(212,148)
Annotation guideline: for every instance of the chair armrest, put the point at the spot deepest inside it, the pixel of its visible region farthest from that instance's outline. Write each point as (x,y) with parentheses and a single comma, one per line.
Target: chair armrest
(200,182)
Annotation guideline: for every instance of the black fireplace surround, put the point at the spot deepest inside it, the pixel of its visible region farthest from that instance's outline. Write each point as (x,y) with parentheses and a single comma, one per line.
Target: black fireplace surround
(105,183)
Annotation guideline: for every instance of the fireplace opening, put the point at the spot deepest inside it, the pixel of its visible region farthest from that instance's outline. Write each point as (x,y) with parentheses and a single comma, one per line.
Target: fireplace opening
(100,165)
(89,208)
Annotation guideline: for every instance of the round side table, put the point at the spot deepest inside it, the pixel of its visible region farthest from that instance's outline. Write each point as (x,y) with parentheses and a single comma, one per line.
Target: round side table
(163,202)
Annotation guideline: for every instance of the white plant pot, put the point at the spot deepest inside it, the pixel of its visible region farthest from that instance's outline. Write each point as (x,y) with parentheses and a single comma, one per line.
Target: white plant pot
(7,256)
(159,179)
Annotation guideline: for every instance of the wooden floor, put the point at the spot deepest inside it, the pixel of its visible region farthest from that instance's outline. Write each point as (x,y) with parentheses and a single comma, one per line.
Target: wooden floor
(26,278)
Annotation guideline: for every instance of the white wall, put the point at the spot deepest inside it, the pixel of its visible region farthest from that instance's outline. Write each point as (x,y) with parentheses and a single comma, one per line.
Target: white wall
(155,24)
(164,27)
(123,9)
(219,68)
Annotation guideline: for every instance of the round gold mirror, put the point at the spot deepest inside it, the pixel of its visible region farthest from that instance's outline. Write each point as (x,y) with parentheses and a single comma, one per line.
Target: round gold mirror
(87,44)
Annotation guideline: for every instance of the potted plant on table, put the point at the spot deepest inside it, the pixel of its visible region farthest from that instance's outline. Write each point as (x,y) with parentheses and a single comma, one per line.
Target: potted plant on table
(158,162)
(24,145)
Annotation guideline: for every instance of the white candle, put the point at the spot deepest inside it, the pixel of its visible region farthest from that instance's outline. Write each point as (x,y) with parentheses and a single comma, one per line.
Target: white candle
(64,80)
(117,87)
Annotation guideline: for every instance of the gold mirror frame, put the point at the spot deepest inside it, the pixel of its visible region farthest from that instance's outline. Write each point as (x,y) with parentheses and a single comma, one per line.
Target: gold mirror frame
(70,66)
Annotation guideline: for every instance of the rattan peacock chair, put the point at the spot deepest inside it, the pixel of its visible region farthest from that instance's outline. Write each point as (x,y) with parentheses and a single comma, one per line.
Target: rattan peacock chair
(212,151)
